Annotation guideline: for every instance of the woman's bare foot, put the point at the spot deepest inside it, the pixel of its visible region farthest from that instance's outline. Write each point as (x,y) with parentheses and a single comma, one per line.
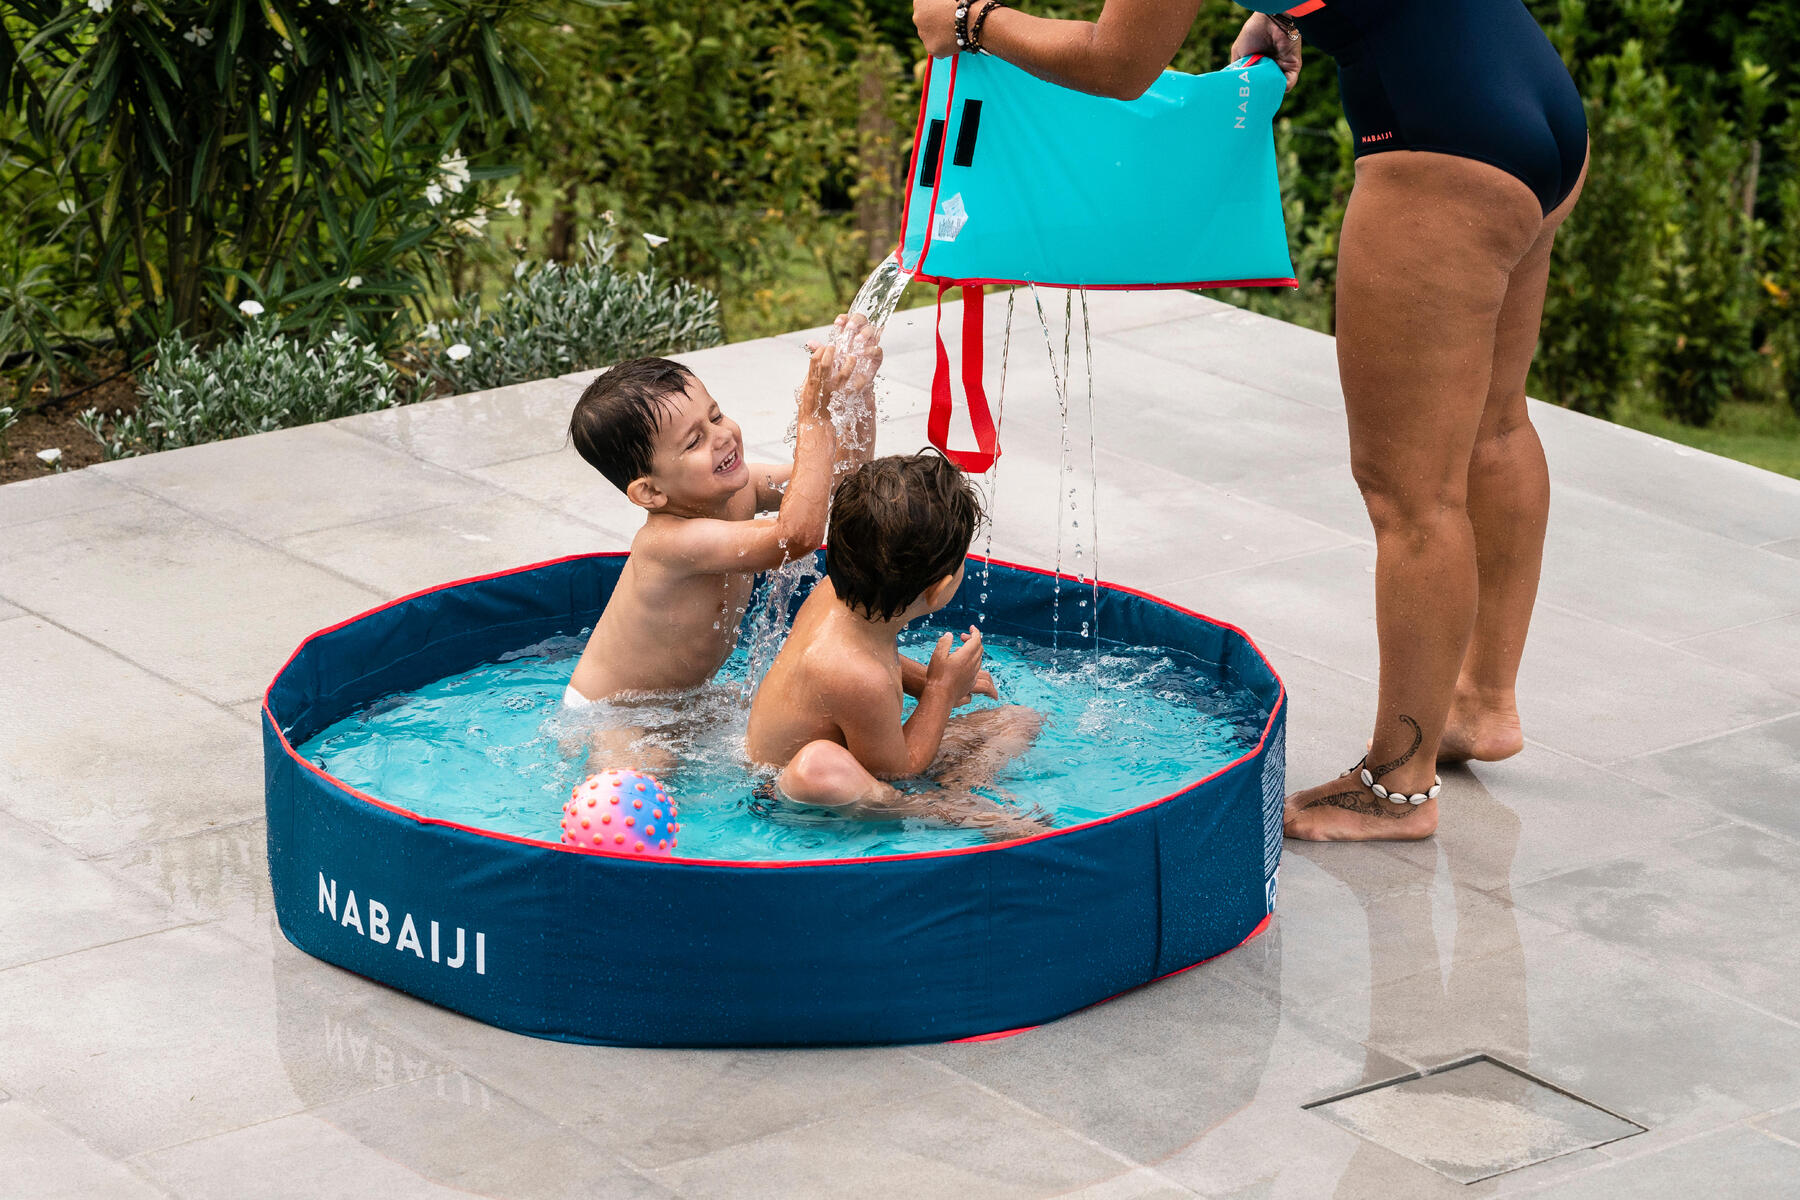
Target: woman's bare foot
(1482,728)
(1346,811)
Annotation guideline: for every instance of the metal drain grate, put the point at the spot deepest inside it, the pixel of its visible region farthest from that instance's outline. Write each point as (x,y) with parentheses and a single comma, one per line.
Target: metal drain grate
(1474,1118)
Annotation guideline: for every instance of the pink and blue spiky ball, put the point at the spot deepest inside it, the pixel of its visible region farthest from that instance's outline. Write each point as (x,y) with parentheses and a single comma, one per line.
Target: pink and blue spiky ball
(624,811)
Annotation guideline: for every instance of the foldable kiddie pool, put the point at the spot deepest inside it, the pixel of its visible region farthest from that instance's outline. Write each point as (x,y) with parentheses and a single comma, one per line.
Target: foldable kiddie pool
(590,946)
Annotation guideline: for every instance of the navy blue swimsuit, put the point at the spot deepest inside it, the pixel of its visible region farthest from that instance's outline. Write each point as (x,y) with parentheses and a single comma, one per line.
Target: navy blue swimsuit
(1473,78)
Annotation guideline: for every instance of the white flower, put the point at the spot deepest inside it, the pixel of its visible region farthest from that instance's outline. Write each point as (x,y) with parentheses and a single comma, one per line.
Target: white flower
(138,6)
(454,171)
(655,239)
(519,269)
(458,352)
(51,456)
(471,225)
(608,217)
(199,35)
(250,308)
(434,193)
(65,205)
(512,204)
(430,331)
(99,6)
(354,282)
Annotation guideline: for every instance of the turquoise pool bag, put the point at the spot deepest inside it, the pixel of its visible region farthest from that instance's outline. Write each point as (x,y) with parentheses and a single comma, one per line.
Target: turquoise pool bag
(1015,180)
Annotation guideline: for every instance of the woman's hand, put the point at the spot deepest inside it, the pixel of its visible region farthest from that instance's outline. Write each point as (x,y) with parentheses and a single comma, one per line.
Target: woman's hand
(1260,35)
(936,22)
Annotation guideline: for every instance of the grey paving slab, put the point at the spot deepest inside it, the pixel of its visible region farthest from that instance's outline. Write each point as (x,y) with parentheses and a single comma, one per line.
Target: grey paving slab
(196,603)
(1249,348)
(1336,940)
(1767,649)
(1737,1162)
(1320,605)
(440,1135)
(9,611)
(1720,908)
(560,481)
(1601,694)
(102,754)
(1677,483)
(46,1162)
(397,555)
(1789,547)
(219,876)
(1144,1183)
(703,1101)
(1653,576)
(954,1142)
(1148,1073)
(53,903)
(1327,495)
(1141,511)
(1782,1125)
(57,496)
(1540,812)
(475,429)
(158,1040)
(292,480)
(1596,1020)
(1752,774)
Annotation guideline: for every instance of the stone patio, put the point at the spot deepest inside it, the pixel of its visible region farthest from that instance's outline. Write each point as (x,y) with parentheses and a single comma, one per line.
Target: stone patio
(1616,911)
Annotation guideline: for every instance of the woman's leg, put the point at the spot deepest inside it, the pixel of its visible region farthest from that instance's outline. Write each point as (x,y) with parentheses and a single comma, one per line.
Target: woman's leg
(1429,246)
(1509,506)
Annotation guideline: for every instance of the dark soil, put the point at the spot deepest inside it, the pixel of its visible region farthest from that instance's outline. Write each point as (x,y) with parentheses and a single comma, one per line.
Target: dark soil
(46,424)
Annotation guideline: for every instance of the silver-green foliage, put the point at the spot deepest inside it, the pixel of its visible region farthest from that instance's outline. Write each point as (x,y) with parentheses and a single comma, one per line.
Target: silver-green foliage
(558,318)
(252,384)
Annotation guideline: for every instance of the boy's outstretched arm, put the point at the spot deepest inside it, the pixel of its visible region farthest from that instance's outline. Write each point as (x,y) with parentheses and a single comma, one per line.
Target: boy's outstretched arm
(704,545)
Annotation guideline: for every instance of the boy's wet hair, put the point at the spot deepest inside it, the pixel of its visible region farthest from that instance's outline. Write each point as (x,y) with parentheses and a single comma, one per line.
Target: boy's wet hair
(898,525)
(614,423)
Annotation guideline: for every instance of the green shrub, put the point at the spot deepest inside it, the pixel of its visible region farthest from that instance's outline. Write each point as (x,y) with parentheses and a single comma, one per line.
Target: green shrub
(260,381)
(178,154)
(560,318)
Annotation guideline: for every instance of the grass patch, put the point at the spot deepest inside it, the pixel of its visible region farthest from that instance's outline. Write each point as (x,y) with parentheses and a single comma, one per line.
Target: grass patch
(1762,434)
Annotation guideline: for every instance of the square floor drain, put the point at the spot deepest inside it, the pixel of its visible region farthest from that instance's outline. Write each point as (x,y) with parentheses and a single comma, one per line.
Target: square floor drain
(1474,1118)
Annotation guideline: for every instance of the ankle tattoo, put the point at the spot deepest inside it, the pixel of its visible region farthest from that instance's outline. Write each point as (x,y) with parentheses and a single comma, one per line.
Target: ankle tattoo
(1371,801)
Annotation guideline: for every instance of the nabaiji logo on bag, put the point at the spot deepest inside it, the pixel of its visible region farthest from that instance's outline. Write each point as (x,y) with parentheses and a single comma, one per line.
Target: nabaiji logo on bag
(382,930)
(1243,108)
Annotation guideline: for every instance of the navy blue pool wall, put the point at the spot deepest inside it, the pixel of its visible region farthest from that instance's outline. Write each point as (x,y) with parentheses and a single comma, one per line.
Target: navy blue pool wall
(591,946)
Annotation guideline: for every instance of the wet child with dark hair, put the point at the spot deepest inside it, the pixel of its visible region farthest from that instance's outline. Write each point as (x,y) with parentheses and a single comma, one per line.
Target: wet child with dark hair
(652,429)
(828,713)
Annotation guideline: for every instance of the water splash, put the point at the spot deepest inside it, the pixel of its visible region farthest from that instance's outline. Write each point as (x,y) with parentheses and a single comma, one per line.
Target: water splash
(880,292)
(993,473)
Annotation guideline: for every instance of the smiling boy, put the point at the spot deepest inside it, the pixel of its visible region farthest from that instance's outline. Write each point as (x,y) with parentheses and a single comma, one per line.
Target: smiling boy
(651,427)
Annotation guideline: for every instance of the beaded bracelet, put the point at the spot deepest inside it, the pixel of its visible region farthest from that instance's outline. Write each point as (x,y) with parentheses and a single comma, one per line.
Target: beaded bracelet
(980,20)
(962,25)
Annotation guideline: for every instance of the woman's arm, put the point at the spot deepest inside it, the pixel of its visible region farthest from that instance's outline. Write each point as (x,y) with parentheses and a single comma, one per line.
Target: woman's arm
(1119,55)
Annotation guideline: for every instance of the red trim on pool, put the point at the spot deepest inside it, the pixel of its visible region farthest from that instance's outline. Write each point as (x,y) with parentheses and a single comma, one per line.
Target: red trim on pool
(1274,711)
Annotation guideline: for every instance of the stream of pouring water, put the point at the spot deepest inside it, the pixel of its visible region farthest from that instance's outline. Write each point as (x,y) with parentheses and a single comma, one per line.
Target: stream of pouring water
(877,300)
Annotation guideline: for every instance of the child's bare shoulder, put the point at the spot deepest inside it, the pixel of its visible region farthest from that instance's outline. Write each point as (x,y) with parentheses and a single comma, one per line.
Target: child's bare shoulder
(845,676)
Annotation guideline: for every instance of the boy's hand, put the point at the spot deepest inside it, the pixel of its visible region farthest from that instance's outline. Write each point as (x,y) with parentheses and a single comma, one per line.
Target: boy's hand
(815,393)
(983,686)
(956,670)
(854,357)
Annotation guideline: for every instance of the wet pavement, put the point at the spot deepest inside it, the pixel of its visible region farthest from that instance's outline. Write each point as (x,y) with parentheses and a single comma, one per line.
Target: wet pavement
(1615,913)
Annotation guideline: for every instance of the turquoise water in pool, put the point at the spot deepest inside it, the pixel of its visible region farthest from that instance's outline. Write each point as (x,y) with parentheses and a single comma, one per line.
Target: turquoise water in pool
(494,748)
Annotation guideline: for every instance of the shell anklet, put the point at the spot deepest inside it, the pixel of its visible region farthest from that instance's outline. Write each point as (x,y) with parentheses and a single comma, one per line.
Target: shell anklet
(1367,776)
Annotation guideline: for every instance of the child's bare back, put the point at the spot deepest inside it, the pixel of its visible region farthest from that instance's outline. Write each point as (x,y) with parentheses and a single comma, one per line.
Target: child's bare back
(829,712)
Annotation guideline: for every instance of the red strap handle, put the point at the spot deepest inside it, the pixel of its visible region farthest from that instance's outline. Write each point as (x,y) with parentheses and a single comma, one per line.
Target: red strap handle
(937,423)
